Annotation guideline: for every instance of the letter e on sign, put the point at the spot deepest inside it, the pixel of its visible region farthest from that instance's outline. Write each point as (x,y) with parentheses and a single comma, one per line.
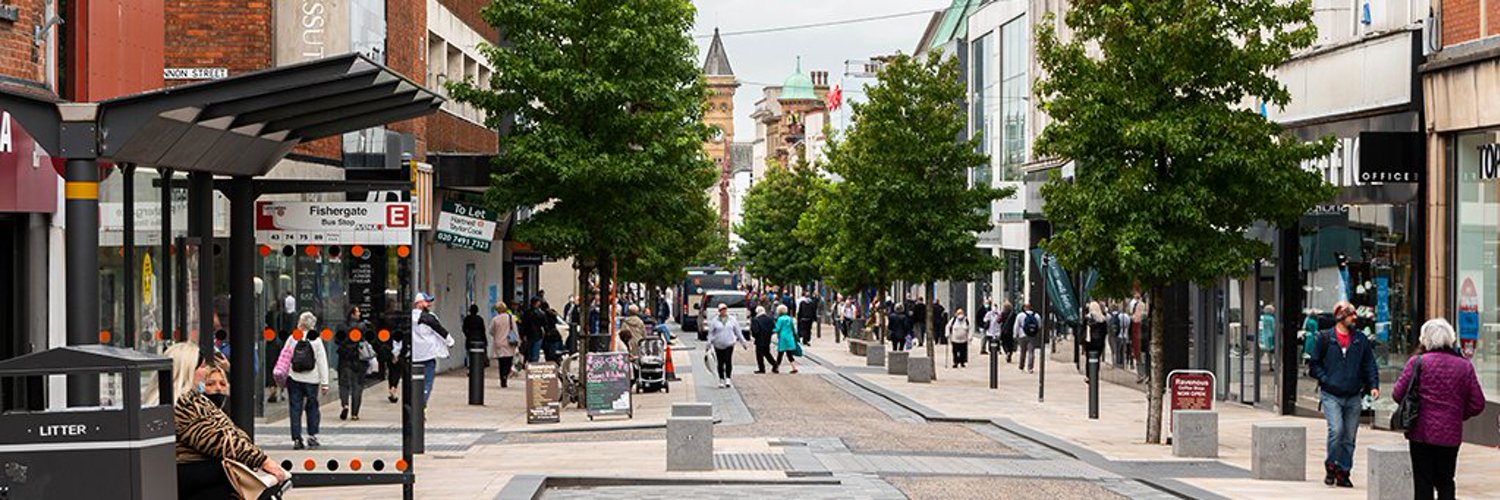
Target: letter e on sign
(398,216)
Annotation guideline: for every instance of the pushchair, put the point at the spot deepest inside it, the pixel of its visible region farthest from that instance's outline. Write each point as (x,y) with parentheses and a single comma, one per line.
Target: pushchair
(651,365)
(567,377)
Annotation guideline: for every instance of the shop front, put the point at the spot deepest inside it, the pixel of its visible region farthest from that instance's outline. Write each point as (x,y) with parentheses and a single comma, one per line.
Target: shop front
(29,229)
(1464,213)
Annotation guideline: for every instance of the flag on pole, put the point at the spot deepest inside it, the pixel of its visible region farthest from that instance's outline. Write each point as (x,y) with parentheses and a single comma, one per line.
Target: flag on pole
(836,97)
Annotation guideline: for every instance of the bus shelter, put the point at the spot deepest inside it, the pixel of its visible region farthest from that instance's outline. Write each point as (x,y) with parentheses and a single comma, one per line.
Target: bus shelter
(237,129)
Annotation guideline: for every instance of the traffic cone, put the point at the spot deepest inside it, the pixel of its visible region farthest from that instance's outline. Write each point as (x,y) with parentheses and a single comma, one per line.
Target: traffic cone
(671,369)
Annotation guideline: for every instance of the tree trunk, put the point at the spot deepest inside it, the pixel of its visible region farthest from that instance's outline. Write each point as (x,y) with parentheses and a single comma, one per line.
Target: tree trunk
(931,291)
(586,329)
(1158,379)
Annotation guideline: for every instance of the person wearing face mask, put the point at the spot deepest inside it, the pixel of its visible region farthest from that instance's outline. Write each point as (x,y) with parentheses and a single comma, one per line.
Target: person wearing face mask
(1343,363)
(723,334)
(205,435)
(958,335)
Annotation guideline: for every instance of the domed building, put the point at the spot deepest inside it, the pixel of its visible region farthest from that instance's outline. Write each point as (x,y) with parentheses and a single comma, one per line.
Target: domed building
(789,120)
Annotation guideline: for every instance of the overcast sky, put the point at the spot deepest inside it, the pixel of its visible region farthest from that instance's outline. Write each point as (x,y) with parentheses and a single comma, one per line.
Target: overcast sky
(768,58)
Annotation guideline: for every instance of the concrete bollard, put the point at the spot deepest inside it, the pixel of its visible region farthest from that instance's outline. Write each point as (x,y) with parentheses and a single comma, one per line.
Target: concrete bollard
(690,443)
(919,370)
(1278,451)
(875,354)
(896,362)
(1389,471)
(1195,433)
(693,410)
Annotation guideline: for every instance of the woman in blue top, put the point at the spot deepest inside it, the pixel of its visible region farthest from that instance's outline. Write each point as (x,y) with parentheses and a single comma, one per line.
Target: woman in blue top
(1268,336)
(786,337)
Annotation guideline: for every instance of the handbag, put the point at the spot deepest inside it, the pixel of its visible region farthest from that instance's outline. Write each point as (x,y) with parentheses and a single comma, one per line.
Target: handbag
(251,484)
(366,352)
(283,367)
(1410,406)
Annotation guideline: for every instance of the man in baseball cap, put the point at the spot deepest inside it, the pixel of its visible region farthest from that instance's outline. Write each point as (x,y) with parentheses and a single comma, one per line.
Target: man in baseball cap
(422,298)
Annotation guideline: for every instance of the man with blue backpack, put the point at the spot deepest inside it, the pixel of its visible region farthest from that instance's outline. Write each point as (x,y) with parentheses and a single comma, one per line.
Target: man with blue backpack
(1029,337)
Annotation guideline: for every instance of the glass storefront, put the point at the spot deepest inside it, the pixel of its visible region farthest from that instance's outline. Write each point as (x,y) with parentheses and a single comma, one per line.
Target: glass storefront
(1362,253)
(1476,273)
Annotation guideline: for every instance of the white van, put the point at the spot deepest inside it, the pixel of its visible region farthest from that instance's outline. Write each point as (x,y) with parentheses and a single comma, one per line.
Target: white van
(739,309)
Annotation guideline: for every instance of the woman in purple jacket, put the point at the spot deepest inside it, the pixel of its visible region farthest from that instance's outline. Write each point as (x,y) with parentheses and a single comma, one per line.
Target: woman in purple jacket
(1450,394)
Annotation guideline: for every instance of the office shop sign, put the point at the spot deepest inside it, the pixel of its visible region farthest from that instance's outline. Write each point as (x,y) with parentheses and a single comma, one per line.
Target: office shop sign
(1391,157)
(465,226)
(333,223)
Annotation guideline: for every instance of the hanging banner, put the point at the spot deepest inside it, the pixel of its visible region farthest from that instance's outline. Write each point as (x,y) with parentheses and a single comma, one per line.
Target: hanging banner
(1090,279)
(1468,312)
(333,223)
(1059,286)
(465,226)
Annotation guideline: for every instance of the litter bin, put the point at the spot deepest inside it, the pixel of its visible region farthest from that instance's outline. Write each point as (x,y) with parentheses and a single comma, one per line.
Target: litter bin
(123,449)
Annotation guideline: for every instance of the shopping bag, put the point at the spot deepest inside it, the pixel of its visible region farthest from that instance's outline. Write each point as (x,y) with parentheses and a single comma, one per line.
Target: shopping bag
(283,367)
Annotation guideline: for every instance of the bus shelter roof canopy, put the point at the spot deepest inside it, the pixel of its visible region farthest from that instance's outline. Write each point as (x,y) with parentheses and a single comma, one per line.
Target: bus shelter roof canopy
(242,125)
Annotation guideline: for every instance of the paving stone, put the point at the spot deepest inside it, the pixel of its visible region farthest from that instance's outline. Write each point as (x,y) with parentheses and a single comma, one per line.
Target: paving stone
(692,409)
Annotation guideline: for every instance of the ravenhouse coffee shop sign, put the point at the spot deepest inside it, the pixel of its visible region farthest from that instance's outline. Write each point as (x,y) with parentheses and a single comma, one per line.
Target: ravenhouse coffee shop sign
(333,223)
(465,226)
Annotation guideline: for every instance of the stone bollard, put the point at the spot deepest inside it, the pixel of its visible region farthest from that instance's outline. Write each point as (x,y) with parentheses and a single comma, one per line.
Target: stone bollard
(693,410)
(1195,433)
(1278,451)
(896,362)
(1389,471)
(875,354)
(919,370)
(690,443)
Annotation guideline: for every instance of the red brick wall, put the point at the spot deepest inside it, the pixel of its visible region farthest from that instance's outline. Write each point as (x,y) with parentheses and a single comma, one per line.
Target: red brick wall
(1461,21)
(234,34)
(1492,21)
(469,11)
(406,53)
(20,59)
(451,134)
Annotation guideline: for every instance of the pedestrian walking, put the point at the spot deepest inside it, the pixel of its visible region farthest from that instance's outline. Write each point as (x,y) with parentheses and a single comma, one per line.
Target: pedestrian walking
(986,316)
(354,360)
(850,315)
(633,329)
(917,316)
(786,338)
(506,338)
(308,379)
(473,327)
(552,339)
(762,330)
(1008,329)
(807,314)
(1097,331)
(724,335)
(939,321)
(1028,334)
(1448,391)
(1343,363)
(1267,338)
(899,328)
(1119,335)
(958,334)
(533,322)
(430,342)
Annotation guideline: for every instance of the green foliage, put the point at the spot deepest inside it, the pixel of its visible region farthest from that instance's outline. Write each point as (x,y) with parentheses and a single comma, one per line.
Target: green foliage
(607,145)
(904,210)
(690,235)
(773,208)
(1149,101)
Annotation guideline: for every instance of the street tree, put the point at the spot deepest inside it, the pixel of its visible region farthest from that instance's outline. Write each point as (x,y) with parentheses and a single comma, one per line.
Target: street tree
(607,101)
(1148,100)
(685,232)
(773,208)
(905,209)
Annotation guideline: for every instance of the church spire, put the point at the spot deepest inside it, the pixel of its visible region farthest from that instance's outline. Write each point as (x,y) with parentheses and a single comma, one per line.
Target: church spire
(717,62)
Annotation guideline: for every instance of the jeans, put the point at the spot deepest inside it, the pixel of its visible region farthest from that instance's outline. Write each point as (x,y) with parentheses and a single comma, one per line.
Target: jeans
(726,361)
(1343,421)
(533,351)
(1432,469)
(429,375)
(351,386)
(303,398)
(505,364)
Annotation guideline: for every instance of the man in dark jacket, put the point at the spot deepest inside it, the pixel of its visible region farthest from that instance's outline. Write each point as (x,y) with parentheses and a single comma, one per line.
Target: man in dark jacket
(939,322)
(807,314)
(917,315)
(899,325)
(762,327)
(1343,363)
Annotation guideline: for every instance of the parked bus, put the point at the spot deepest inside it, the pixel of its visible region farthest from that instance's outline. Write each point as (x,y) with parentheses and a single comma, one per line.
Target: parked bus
(690,292)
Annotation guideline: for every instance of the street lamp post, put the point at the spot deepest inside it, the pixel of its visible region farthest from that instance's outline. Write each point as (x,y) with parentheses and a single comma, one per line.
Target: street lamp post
(1041,379)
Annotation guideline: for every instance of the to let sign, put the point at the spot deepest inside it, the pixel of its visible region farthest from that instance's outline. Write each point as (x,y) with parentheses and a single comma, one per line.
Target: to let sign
(465,226)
